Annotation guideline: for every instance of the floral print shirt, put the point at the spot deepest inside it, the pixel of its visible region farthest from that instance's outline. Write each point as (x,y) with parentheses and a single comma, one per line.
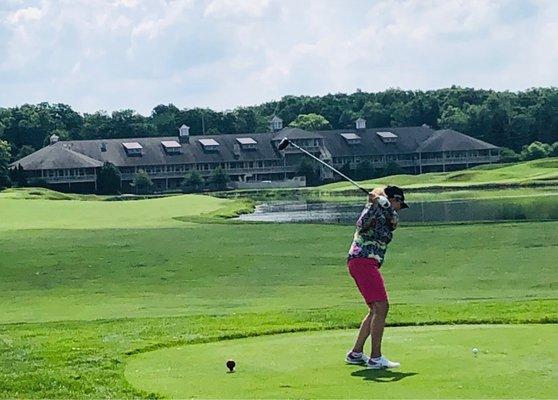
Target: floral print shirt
(374,231)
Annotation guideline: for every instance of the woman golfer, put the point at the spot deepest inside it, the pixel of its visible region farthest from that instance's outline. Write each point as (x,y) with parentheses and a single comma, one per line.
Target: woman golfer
(374,230)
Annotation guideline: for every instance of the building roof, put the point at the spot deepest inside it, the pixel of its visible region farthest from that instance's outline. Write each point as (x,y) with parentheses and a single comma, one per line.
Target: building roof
(296,133)
(57,156)
(89,153)
(450,140)
(409,139)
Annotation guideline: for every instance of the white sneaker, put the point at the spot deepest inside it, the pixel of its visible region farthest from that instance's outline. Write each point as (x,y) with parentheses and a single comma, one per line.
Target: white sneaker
(356,358)
(380,363)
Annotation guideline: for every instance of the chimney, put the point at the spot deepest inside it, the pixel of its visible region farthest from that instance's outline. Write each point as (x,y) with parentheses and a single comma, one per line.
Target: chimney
(54,138)
(360,124)
(184,134)
(276,124)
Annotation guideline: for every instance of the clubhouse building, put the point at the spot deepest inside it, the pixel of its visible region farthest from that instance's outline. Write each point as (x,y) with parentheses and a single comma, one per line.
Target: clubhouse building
(252,159)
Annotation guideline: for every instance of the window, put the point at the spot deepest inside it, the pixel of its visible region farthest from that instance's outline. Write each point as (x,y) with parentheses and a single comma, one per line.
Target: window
(247,143)
(209,144)
(387,137)
(351,138)
(171,147)
(133,149)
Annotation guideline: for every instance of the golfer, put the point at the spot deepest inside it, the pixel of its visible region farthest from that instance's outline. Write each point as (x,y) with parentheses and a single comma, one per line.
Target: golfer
(374,231)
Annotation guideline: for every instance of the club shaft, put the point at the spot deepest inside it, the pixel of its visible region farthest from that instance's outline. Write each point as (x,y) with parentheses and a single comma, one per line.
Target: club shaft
(330,167)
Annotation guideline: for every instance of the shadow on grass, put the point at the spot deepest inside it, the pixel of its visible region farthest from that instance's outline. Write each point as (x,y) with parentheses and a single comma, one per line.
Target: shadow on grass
(382,375)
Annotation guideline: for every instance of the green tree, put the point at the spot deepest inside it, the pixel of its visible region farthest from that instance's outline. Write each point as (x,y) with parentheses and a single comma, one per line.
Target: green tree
(192,183)
(311,122)
(535,150)
(391,168)
(307,169)
(142,183)
(376,115)
(219,179)
(18,176)
(165,119)
(508,155)
(554,150)
(109,180)
(4,162)
(454,118)
(24,151)
(364,170)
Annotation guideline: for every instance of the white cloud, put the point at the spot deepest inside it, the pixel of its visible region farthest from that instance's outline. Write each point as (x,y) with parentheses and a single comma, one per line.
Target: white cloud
(235,8)
(24,15)
(111,54)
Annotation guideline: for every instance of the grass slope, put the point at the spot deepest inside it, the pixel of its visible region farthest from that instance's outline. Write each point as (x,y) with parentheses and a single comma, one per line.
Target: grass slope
(537,171)
(16,214)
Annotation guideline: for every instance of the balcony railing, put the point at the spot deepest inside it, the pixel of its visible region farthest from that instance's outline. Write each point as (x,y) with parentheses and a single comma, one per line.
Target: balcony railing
(68,179)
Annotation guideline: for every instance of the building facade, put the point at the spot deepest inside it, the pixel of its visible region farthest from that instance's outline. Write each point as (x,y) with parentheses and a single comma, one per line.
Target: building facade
(73,165)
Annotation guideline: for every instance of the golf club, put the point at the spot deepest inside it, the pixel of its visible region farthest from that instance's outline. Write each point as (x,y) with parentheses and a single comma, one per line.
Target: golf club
(285,142)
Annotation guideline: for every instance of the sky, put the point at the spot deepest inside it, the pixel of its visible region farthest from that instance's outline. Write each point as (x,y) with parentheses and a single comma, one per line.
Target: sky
(121,54)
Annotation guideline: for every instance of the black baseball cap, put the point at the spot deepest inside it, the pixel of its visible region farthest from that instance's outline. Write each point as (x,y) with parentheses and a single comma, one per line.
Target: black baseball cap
(395,192)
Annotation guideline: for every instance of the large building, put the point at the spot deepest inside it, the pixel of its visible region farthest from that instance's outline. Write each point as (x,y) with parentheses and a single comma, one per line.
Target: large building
(73,165)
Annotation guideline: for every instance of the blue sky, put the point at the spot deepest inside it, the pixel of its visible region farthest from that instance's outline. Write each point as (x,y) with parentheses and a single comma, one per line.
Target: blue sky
(116,54)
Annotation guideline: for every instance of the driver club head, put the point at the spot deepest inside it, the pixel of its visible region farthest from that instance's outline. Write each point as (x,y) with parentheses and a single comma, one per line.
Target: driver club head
(283,144)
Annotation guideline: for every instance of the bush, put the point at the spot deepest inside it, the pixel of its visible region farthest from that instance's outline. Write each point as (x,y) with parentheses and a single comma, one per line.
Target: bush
(535,151)
(554,150)
(109,180)
(18,176)
(5,180)
(508,155)
(193,183)
(307,169)
(142,183)
(219,179)
(364,170)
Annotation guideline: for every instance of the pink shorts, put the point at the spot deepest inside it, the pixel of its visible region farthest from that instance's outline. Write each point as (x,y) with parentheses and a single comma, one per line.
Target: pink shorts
(367,276)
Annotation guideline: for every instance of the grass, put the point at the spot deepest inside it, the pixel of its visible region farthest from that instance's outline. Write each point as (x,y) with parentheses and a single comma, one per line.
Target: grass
(436,362)
(87,285)
(529,172)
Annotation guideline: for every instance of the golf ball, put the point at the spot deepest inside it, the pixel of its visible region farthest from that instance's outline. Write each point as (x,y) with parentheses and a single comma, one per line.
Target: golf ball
(475,351)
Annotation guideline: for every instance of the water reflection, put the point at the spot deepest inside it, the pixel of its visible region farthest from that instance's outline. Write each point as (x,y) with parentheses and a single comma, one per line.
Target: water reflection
(514,209)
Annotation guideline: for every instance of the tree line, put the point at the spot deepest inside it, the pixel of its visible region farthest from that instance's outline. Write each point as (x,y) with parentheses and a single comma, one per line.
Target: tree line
(514,120)
(508,119)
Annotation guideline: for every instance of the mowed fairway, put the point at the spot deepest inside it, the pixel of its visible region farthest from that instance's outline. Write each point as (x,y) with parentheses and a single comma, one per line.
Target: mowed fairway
(86,285)
(513,361)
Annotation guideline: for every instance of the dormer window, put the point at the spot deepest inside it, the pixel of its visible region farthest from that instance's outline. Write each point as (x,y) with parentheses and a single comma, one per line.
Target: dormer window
(361,123)
(247,143)
(184,134)
(387,137)
(171,146)
(209,144)
(351,138)
(276,124)
(133,149)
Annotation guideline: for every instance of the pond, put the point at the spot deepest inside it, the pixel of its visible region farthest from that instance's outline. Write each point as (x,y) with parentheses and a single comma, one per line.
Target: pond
(543,208)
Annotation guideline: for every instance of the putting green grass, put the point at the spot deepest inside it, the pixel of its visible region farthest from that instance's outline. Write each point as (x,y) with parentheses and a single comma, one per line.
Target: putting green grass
(541,171)
(513,361)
